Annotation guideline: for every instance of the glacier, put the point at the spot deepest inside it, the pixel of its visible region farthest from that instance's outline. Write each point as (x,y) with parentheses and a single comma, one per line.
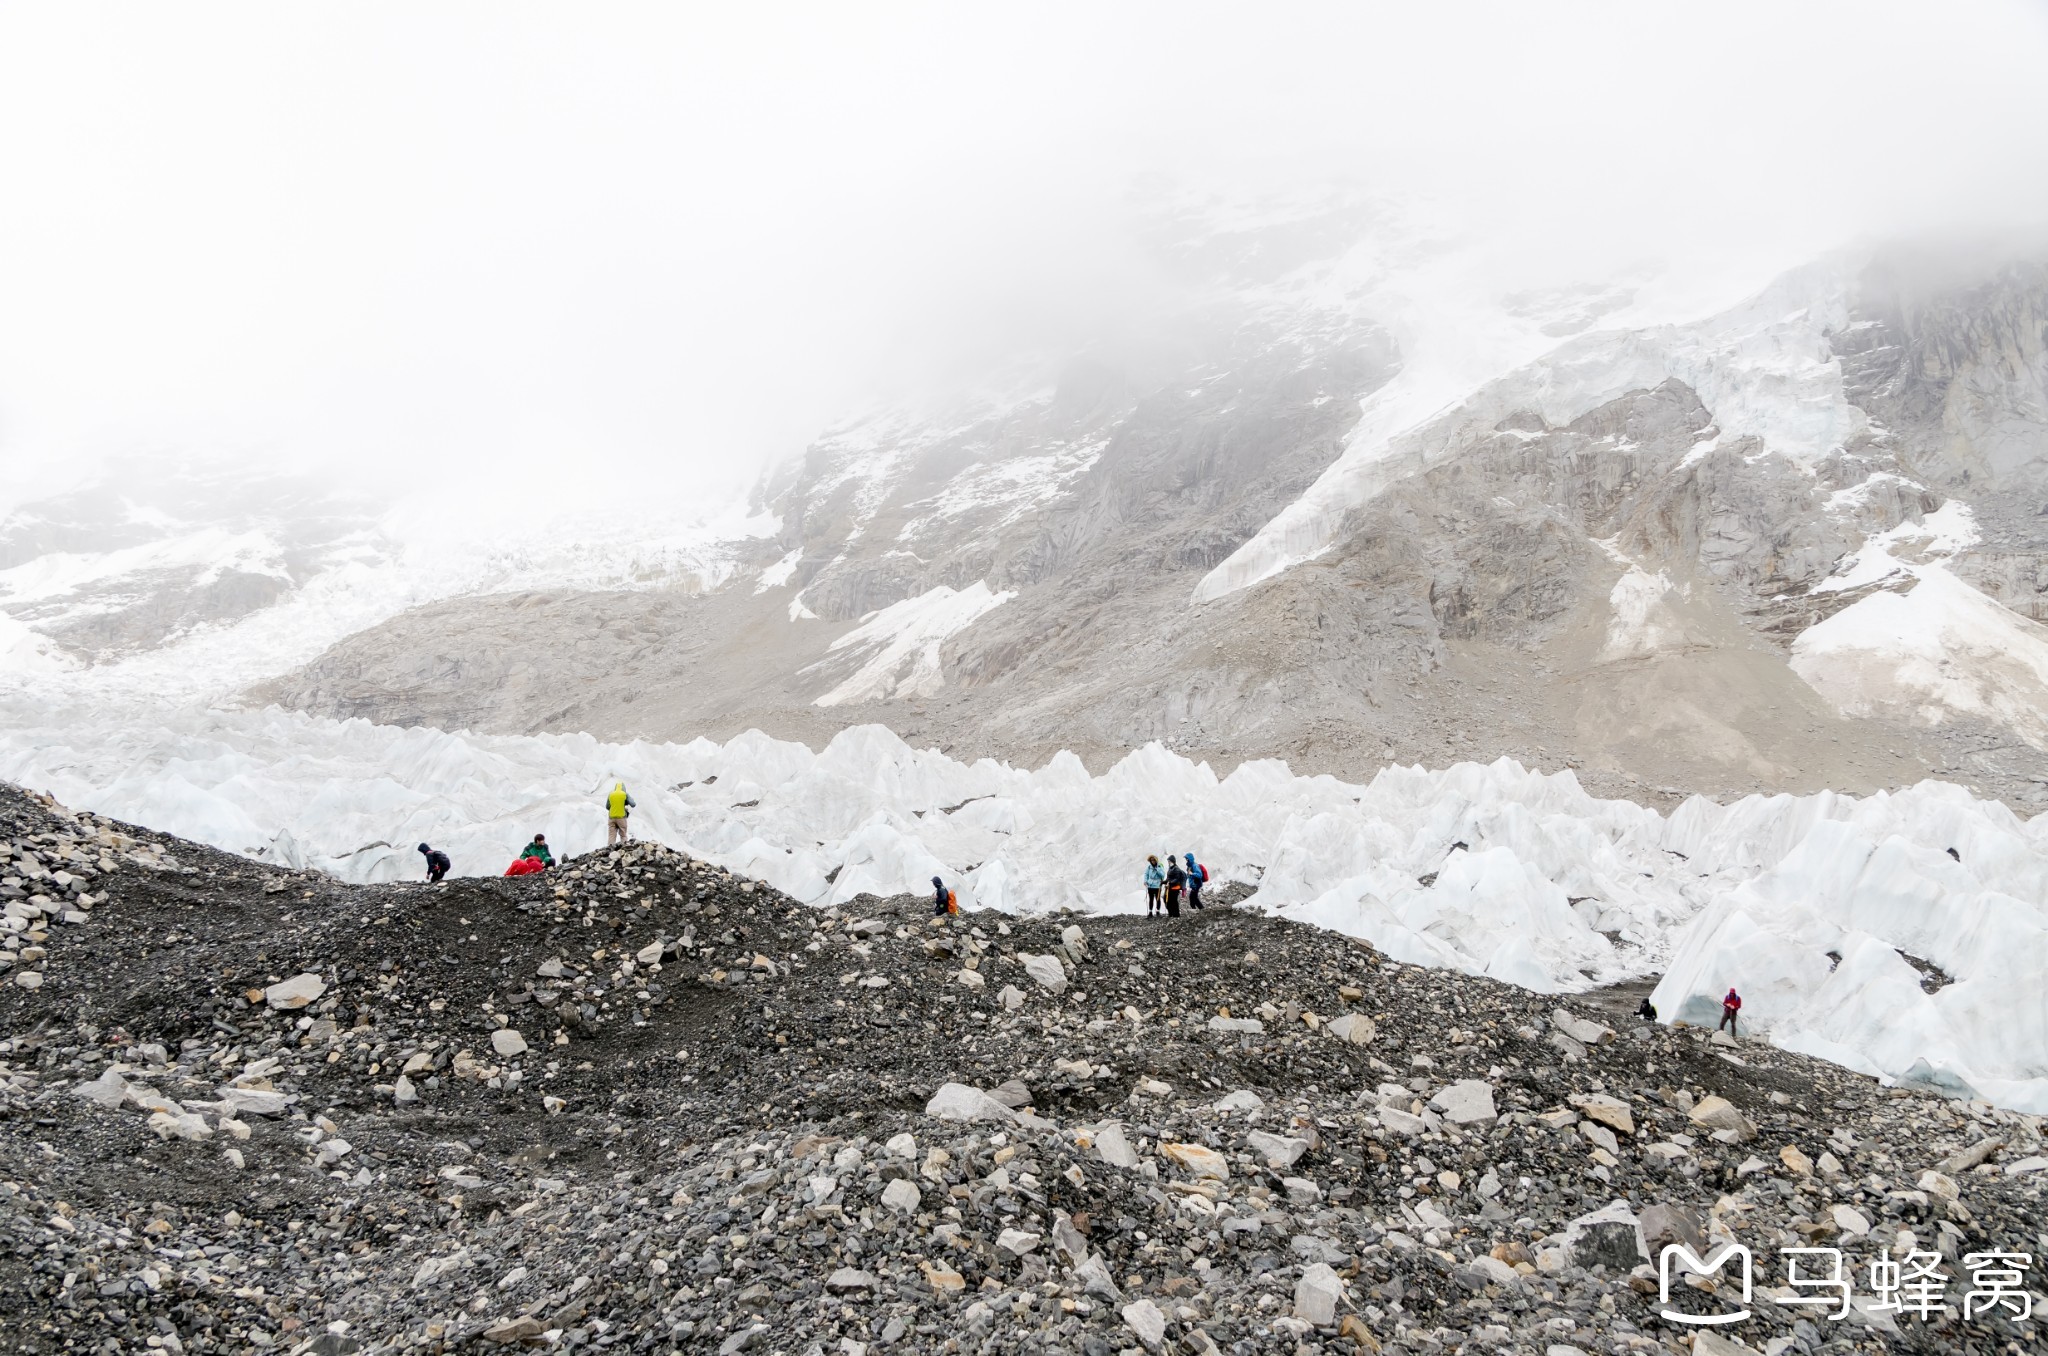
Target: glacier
(1812,905)
(1763,367)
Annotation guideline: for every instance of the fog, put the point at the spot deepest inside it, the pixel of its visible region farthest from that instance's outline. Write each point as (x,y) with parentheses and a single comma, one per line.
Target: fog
(597,253)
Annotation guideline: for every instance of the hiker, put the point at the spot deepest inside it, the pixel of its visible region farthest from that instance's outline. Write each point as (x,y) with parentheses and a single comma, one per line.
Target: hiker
(1155,878)
(1730,1006)
(617,805)
(1176,880)
(1646,1009)
(538,851)
(943,903)
(437,863)
(1198,876)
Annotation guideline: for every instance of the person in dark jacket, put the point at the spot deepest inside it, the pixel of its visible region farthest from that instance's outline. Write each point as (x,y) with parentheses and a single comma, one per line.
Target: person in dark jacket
(1194,883)
(1176,881)
(1155,881)
(1646,1009)
(438,864)
(940,901)
(538,850)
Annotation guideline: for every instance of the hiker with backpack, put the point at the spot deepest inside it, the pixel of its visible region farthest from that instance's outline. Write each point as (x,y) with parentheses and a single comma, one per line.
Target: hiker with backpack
(1176,881)
(944,902)
(1198,876)
(617,806)
(1731,1007)
(1155,880)
(438,864)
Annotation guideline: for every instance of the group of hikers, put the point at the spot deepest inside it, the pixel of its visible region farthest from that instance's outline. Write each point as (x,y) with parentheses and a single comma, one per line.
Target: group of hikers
(537,856)
(1164,887)
(1731,1008)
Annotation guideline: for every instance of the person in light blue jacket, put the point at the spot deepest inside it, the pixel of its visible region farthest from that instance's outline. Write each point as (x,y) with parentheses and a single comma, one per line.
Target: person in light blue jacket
(1155,877)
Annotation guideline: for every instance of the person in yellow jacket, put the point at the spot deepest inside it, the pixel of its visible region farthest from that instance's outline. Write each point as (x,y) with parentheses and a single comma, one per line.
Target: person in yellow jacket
(617,805)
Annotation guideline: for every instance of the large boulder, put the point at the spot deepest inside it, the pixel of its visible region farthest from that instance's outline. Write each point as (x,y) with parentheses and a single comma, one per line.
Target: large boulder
(294,993)
(958,1102)
(1047,970)
(1465,1101)
(1317,1294)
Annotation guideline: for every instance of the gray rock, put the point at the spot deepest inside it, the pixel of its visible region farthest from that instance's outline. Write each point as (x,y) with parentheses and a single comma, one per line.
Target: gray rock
(1067,1240)
(1301,1192)
(1114,1148)
(1047,970)
(746,1339)
(1465,1101)
(1279,1151)
(1018,1242)
(1317,1295)
(1607,1237)
(1579,1029)
(847,1279)
(1143,1318)
(958,1102)
(295,992)
(1012,1093)
(1353,1027)
(1665,1223)
(1095,1280)
(106,1092)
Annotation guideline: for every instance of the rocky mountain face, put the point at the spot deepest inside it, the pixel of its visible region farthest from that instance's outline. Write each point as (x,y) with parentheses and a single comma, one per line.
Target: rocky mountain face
(151,552)
(638,1102)
(1672,555)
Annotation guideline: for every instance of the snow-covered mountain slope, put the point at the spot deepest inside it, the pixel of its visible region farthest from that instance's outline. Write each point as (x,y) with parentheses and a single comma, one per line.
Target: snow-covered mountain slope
(1345,494)
(1853,931)
(202,579)
(1345,503)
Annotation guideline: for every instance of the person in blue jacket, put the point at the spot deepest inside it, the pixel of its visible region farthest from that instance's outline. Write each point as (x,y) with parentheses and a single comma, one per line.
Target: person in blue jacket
(1155,879)
(1197,876)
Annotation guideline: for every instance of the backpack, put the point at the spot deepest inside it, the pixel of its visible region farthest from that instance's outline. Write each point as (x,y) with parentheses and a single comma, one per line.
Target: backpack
(1203,868)
(952,902)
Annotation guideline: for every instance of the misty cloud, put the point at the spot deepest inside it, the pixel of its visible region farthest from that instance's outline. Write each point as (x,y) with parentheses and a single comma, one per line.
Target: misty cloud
(565,251)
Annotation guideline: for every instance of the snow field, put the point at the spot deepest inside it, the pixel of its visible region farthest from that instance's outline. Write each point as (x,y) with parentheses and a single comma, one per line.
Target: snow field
(1554,890)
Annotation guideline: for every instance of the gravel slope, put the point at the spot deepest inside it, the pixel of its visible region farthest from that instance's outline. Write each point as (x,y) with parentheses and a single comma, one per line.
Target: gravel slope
(244,1110)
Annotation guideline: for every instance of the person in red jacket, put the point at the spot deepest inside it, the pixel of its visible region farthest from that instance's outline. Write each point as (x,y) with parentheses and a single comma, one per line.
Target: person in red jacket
(1730,1006)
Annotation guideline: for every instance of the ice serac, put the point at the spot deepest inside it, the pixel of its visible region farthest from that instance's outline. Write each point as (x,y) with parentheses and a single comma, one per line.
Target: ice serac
(898,647)
(1763,369)
(1845,921)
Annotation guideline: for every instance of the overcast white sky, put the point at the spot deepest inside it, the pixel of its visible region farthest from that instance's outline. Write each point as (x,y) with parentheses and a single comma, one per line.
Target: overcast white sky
(508,243)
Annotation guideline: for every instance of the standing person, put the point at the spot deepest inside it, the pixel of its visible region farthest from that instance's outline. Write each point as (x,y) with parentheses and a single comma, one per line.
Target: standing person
(1176,879)
(438,864)
(1730,1006)
(1198,876)
(942,899)
(538,851)
(1155,878)
(617,805)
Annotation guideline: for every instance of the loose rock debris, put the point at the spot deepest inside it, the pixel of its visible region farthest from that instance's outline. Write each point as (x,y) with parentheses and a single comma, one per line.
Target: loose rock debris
(639,1103)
